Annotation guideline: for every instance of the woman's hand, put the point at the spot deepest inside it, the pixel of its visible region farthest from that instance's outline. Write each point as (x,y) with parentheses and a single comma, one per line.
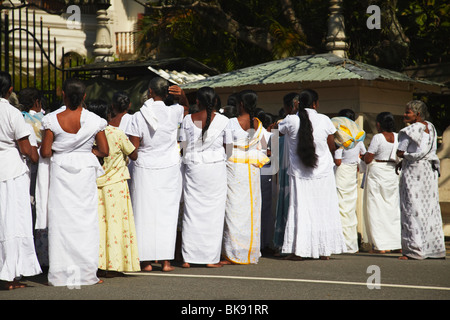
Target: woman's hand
(398,167)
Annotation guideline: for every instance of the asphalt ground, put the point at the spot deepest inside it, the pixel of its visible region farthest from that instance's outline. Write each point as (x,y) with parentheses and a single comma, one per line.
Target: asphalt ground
(271,287)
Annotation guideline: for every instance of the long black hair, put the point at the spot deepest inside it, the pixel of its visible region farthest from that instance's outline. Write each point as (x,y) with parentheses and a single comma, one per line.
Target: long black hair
(386,121)
(74,90)
(206,97)
(248,98)
(306,149)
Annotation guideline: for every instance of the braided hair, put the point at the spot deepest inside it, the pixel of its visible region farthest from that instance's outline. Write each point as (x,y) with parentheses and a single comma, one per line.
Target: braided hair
(248,99)
(306,148)
(206,97)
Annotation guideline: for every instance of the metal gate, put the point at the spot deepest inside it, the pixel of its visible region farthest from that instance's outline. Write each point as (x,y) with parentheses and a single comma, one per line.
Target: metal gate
(26,49)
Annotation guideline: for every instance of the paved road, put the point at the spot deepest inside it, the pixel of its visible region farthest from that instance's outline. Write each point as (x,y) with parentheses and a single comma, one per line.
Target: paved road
(343,277)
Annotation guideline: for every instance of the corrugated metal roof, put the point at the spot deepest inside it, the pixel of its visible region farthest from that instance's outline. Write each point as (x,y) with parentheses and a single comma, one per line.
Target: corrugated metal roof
(178,77)
(320,67)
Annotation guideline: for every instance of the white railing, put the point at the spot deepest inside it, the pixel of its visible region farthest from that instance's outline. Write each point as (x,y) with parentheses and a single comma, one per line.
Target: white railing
(125,42)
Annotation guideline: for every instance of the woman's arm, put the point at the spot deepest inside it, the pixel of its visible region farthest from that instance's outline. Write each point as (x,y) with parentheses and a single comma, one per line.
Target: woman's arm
(47,142)
(101,149)
(25,147)
(136,141)
(368,157)
(331,144)
(134,155)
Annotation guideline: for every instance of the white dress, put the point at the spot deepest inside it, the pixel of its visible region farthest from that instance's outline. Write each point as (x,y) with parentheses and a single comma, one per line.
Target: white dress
(73,232)
(421,218)
(18,256)
(204,190)
(242,231)
(313,227)
(347,189)
(381,196)
(156,179)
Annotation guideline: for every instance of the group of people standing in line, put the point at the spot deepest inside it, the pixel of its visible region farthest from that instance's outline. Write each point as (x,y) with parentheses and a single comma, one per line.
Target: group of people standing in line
(106,186)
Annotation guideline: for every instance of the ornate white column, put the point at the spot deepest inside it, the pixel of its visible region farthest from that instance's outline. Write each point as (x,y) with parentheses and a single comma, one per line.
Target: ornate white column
(103,46)
(336,31)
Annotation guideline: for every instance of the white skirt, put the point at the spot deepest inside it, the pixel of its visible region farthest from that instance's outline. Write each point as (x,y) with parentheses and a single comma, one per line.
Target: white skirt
(155,196)
(18,256)
(313,227)
(73,232)
(347,191)
(242,230)
(382,206)
(205,191)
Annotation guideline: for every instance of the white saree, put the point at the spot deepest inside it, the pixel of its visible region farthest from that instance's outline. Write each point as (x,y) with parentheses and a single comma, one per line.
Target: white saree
(381,196)
(422,234)
(204,190)
(72,202)
(241,243)
(156,183)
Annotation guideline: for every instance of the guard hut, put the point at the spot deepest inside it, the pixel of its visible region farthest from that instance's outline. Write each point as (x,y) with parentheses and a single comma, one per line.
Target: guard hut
(340,82)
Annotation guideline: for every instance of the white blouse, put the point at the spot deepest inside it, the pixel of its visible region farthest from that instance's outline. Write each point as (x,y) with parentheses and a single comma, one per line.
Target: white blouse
(350,156)
(322,128)
(158,148)
(210,149)
(381,148)
(12,128)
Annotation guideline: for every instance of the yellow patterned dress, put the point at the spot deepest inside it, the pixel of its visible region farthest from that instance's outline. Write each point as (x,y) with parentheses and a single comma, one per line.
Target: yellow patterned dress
(118,245)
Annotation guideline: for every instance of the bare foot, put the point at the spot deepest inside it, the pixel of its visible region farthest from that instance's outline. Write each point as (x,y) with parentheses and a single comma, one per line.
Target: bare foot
(13,285)
(214,265)
(186,265)
(99,282)
(403,258)
(225,262)
(324,258)
(146,267)
(166,267)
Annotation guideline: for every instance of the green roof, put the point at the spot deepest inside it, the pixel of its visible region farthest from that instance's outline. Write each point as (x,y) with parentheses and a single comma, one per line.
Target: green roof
(319,67)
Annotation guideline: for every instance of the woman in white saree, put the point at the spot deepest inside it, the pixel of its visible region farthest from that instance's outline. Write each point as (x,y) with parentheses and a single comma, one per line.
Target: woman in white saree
(241,243)
(156,180)
(347,165)
(313,227)
(73,231)
(422,234)
(203,136)
(17,251)
(381,193)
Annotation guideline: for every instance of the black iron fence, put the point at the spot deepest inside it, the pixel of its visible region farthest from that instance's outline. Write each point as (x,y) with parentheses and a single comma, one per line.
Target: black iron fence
(29,53)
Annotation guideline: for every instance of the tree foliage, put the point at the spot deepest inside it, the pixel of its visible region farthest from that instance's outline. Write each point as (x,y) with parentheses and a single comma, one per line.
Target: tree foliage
(230,34)
(233,34)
